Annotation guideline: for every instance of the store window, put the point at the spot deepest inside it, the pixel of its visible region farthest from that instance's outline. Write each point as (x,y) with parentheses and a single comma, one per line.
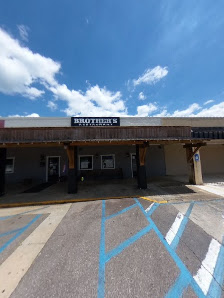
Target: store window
(10,163)
(108,161)
(86,162)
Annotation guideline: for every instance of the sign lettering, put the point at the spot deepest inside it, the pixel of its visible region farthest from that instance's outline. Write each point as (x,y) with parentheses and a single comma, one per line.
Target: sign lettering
(95,121)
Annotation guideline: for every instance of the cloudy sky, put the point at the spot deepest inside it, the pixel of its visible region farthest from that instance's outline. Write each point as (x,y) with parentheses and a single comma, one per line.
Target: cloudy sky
(111,58)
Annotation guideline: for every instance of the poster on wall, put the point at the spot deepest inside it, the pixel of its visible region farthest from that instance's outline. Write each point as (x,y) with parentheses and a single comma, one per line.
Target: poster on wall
(108,162)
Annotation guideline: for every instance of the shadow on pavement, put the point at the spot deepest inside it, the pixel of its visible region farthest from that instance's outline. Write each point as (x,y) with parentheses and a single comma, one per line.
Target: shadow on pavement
(159,189)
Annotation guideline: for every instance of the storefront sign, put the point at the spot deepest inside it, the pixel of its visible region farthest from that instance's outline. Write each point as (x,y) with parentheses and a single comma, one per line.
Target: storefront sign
(95,121)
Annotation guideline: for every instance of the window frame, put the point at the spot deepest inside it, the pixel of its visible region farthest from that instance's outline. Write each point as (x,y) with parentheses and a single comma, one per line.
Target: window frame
(102,161)
(13,165)
(89,155)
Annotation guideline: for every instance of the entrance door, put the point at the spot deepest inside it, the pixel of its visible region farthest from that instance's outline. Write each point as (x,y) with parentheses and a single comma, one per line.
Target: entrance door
(133,165)
(53,168)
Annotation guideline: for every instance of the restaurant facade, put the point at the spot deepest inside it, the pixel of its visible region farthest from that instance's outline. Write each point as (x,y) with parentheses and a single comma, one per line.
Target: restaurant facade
(39,150)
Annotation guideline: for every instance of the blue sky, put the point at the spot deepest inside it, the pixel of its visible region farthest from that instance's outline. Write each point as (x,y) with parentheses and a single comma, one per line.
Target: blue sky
(111,58)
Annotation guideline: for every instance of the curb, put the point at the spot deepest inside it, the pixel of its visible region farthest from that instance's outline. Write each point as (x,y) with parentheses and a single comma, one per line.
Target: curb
(53,202)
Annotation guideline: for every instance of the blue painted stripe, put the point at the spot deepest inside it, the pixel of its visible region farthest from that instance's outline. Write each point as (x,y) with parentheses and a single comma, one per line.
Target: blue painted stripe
(196,202)
(5,245)
(182,227)
(34,210)
(215,289)
(126,243)
(122,211)
(187,275)
(179,286)
(154,207)
(101,278)
(10,232)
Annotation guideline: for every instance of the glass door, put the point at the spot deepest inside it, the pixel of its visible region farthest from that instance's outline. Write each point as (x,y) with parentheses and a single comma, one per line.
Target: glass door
(133,165)
(53,168)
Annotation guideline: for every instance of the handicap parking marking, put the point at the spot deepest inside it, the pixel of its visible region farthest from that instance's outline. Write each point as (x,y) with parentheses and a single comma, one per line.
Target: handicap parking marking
(24,255)
(215,269)
(18,232)
(176,231)
(205,273)
(185,274)
(215,289)
(22,213)
(121,211)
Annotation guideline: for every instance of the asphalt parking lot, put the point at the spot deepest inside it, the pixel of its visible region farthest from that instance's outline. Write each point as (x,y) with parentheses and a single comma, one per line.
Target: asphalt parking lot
(113,248)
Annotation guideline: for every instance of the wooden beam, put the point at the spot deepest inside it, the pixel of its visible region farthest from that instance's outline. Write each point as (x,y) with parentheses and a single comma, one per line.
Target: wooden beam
(188,143)
(190,153)
(142,154)
(71,157)
(194,145)
(30,145)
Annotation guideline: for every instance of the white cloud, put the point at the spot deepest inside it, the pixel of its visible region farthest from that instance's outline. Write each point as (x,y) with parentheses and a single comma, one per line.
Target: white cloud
(52,105)
(95,101)
(208,102)
(30,115)
(152,75)
(20,68)
(187,112)
(195,110)
(146,110)
(163,113)
(23,32)
(141,96)
(214,111)
(21,71)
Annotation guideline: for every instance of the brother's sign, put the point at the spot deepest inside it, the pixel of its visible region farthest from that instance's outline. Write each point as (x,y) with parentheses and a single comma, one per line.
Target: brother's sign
(95,121)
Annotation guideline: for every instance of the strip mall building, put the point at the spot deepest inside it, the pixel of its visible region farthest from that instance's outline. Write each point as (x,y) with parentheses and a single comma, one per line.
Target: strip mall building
(52,149)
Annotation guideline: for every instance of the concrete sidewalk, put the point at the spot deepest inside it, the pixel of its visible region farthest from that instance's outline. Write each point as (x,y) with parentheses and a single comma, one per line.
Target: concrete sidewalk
(169,189)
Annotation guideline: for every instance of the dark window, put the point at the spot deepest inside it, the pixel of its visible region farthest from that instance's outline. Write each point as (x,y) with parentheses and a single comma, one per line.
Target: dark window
(86,162)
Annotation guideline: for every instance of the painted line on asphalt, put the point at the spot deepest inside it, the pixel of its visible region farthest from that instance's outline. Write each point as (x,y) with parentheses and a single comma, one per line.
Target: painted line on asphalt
(152,200)
(9,216)
(21,231)
(204,275)
(171,234)
(9,232)
(215,288)
(22,258)
(104,256)
(176,202)
(101,278)
(184,271)
(176,231)
(117,250)
(24,204)
(178,287)
(147,209)
(121,212)
(152,208)
(53,202)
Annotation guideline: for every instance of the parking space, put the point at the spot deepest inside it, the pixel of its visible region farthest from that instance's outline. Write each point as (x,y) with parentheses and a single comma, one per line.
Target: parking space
(114,248)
